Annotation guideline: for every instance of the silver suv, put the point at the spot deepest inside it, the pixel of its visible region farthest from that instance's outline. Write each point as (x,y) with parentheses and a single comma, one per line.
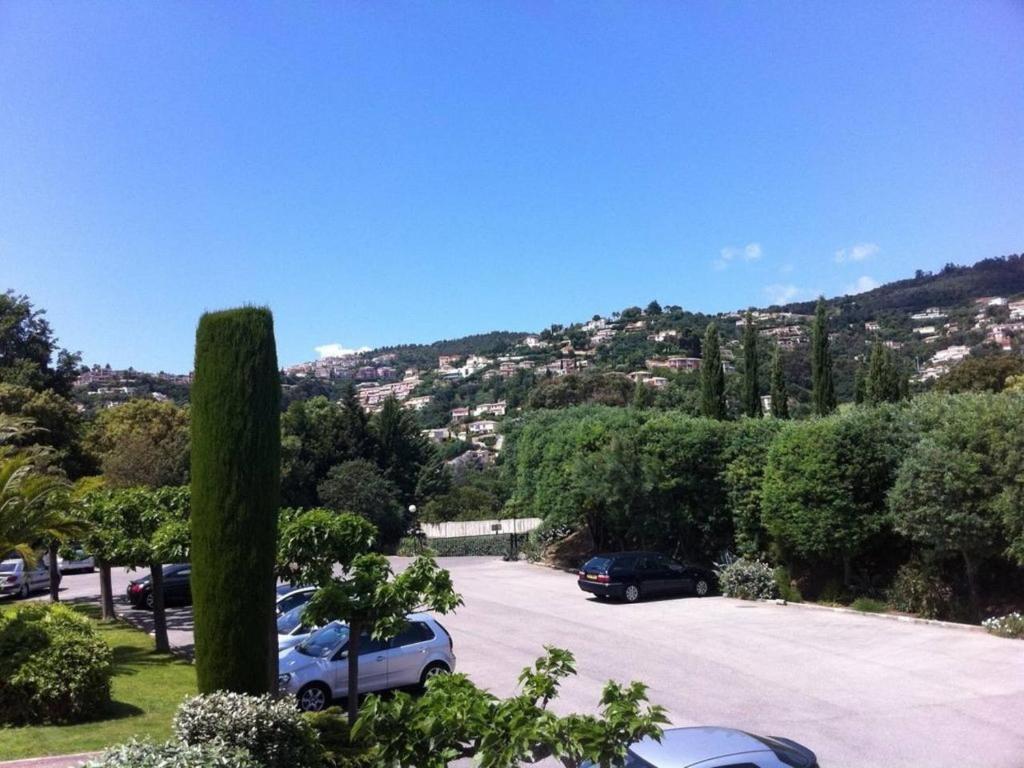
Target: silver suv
(16,579)
(316,670)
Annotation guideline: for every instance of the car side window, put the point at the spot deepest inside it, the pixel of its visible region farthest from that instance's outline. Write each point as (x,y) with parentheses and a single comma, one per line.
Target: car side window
(369,644)
(625,564)
(184,571)
(414,632)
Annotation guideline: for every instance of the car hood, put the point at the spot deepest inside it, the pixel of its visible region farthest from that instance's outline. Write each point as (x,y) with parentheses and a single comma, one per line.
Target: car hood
(291,661)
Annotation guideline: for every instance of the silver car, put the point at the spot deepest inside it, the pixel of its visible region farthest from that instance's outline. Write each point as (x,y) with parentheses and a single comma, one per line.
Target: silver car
(316,670)
(16,579)
(291,630)
(708,747)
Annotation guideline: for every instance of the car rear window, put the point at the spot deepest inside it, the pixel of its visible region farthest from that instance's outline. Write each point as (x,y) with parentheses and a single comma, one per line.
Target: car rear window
(8,567)
(597,564)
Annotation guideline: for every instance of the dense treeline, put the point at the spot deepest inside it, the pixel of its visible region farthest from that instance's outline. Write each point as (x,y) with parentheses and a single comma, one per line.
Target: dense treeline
(845,499)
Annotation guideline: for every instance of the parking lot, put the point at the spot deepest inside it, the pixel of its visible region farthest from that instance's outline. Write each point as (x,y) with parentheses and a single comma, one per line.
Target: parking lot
(860,690)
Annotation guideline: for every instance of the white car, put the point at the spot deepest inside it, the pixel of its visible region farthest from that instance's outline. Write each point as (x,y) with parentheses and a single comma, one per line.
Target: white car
(290,596)
(80,560)
(16,579)
(316,670)
(290,628)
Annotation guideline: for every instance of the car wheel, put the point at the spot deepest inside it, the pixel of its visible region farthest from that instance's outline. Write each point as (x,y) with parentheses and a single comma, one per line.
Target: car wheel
(25,591)
(313,697)
(632,593)
(436,669)
(150,601)
(701,588)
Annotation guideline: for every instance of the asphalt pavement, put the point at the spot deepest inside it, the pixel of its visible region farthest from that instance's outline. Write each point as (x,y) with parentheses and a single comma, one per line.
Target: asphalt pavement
(860,690)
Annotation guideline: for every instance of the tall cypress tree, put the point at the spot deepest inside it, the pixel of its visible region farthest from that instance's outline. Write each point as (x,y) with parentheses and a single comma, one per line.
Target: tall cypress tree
(712,377)
(883,381)
(780,397)
(859,385)
(236,479)
(823,392)
(751,391)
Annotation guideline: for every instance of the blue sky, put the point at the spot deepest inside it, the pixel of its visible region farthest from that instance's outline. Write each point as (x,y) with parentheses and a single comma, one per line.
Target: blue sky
(395,172)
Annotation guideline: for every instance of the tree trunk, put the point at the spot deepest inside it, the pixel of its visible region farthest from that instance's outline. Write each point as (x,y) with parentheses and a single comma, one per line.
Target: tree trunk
(106,593)
(54,573)
(156,585)
(971,571)
(352,696)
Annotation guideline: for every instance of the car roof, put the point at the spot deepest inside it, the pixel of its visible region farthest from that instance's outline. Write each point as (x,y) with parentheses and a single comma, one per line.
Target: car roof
(287,589)
(683,747)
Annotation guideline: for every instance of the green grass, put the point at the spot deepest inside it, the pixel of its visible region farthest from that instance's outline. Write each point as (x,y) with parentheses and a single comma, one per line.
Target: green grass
(146,690)
(868,605)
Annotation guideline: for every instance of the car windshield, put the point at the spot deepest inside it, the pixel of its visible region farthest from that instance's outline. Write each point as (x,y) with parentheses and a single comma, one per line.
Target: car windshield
(8,567)
(290,620)
(324,642)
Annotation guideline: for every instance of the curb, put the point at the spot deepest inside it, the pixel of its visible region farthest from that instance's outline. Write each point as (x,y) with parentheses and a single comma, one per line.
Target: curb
(888,616)
(51,761)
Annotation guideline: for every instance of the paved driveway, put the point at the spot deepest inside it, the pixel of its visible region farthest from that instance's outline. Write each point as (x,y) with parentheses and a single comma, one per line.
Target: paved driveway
(861,691)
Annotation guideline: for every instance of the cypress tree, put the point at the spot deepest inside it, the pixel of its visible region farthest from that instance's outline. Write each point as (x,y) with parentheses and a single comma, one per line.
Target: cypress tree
(884,377)
(751,392)
(712,377)
(236,466)
(859,385)
(823,392)
(780,397)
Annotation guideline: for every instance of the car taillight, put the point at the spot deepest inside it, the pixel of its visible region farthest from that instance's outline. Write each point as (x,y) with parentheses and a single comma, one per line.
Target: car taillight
(602,578)
(134,587)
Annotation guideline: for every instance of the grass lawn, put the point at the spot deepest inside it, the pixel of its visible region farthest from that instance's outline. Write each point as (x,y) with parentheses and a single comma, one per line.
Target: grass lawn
(146,690)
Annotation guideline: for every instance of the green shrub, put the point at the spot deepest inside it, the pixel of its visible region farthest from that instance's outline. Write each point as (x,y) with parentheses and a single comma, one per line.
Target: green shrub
(1010,625)
(869,605)
(54,667)
(236,484)
(334,735)
(272,731)
(833,592)
(411,546)
(747,580)
(788,590)
(172,754)
(920,589)
(466,546)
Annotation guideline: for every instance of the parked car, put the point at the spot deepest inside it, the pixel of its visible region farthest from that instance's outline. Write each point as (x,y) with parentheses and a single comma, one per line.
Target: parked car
(17,579)
(291,630)
(78,560)
(177,587)
(631,576)
(290,596)
(717,748)
(316,670)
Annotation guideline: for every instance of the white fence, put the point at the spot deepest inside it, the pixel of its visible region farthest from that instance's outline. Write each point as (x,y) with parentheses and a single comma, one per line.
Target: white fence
(459,528)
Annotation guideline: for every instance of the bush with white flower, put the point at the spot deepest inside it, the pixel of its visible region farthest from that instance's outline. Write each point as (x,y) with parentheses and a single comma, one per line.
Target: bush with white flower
(1010,625)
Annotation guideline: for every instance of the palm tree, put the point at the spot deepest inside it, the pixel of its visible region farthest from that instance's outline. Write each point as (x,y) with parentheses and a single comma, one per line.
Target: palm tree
(30,507)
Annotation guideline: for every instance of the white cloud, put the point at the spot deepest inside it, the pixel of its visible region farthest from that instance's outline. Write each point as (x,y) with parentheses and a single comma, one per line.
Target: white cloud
(858,252)
(779,293)
(748,252)
(337,350)
(864,283)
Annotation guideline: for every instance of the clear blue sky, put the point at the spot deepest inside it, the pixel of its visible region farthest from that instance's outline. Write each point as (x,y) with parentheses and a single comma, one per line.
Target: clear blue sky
(392,172)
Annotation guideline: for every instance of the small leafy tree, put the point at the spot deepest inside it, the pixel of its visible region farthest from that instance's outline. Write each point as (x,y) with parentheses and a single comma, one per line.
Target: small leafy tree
(455,720)
(370,598)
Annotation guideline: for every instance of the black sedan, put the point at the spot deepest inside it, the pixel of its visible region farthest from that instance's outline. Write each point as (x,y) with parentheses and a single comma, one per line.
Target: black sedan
(631,576)
(177,587)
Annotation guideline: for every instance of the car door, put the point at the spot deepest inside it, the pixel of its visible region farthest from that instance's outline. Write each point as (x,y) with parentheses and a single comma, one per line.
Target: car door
(39,577)
(373,666)
(651,582)
(408,654)
(679,578)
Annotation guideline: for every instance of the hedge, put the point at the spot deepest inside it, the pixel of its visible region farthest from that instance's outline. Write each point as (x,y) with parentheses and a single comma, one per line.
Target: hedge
(463,546)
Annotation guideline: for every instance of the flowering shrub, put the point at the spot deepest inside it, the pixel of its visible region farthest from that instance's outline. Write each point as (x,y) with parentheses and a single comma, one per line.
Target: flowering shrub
(919,588)
(272,731)
(747,580)
(54,668)
(1010,625)
(172,754)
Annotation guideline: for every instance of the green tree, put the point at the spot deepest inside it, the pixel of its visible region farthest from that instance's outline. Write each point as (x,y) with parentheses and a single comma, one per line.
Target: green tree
(455,720)
(654,308)
(142,442)
(139,528)
(860,385)
(825,485)
(780,394)
(643,395)
(981,374)
(751,388)
(712,376)
(883,379)
(28,347)
(823,393)
(374,601)
(746,455)
(314,541)
(236,472)
(27,514)
(55,425)
(402,451)
(359,487)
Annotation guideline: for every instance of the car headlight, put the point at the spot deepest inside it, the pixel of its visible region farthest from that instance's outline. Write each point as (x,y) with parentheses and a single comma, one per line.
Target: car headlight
(284,679)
